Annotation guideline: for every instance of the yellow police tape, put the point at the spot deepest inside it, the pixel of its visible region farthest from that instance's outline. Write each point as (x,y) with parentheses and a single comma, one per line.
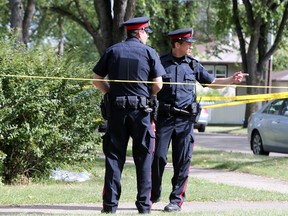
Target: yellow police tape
(138,81)
(234,100)
(237,100)
(245,97)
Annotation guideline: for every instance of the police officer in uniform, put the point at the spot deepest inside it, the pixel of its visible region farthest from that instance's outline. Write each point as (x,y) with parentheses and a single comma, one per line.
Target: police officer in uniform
(128,105)
(175,121)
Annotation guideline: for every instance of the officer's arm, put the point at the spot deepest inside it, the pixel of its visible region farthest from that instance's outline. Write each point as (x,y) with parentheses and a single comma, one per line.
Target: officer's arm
(237,77)
(157,85)
(100,83)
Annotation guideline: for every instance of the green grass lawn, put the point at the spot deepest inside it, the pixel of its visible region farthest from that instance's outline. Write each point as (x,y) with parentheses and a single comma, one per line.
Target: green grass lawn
(197,190)
(52,192)
(90,191)
(274,167)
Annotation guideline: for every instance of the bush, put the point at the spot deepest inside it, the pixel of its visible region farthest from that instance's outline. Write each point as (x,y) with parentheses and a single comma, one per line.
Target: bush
(44,122)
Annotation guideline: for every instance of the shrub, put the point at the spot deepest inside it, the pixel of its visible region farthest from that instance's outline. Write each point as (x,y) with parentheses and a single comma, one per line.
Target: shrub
(44,122)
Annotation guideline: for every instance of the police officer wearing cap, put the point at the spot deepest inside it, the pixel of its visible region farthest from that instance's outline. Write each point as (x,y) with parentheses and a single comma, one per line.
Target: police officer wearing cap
(128,106)
(175,123)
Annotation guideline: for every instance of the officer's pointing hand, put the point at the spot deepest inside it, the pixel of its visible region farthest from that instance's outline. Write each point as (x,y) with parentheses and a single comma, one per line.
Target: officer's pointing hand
(238,76)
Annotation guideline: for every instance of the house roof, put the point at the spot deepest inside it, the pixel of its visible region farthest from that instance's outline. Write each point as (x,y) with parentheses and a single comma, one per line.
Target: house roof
(280,76)
(211,53)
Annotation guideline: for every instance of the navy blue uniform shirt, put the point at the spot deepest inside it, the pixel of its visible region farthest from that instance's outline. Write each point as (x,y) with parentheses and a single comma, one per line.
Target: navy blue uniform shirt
(181,71)
(130,60)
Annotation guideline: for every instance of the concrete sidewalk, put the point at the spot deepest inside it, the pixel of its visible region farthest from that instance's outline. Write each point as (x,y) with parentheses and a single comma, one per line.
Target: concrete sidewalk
(240,179)
(129,208)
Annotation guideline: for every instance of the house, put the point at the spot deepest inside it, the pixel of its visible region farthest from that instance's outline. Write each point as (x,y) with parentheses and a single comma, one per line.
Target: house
(223,64)
(280,79)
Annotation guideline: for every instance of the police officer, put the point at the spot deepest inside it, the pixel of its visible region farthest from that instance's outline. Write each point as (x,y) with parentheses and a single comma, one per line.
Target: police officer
(128,114)
(175,123)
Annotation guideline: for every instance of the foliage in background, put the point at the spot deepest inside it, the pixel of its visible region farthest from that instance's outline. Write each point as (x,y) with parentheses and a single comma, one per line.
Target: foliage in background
(44,122)
(4,20)
(253,22)
(280,60)
(52,29)
(166,16)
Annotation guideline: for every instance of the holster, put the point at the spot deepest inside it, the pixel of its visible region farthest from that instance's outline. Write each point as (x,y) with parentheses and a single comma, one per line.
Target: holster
(154,104)
(105,107)
(195,111)
(192,110)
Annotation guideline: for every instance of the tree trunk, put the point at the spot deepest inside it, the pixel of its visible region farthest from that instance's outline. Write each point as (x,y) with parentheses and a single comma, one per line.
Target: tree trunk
(252,79)
(60,50)
(16,18)
(29,12)
(110,30)
(20,20)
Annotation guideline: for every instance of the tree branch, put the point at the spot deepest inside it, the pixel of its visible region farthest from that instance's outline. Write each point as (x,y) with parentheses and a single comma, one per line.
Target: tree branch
(279,35)
(249,12)
(239,32)
(67,14)
(88,25)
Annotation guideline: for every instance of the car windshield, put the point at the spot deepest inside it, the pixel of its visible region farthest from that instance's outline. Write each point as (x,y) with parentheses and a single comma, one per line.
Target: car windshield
(274,108)
(285,108)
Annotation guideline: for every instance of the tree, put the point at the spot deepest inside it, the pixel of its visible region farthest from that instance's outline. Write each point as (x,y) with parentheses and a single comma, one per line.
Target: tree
(21,19)
(166,16)
(102,23)
(280,60)
(252,21)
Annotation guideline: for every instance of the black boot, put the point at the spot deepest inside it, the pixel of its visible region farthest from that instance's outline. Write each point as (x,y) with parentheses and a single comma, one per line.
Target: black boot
(171,207)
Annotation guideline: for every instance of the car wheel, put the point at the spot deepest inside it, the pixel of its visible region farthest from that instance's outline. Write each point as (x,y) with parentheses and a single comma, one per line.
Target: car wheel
(201,128)
(257,144)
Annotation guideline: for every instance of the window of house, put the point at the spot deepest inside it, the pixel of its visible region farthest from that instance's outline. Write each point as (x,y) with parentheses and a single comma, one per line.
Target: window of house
(210,69)
(219,71)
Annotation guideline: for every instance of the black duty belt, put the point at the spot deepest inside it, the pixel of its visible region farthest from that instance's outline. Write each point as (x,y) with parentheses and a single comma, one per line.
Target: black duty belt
(130,102)
(168,109)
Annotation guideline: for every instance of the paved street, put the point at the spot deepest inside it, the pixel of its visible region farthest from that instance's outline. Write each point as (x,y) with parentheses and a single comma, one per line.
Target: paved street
(226,142)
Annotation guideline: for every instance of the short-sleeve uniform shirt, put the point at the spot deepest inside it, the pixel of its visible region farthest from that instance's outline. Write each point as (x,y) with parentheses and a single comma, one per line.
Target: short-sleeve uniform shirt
(130,61)
(182,74)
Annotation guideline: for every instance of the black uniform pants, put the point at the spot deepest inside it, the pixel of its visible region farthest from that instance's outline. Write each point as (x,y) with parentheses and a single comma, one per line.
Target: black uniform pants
(179,131)
(125,123)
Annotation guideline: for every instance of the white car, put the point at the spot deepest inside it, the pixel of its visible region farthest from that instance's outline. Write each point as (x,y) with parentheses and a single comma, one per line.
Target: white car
(268,127)
(203,120)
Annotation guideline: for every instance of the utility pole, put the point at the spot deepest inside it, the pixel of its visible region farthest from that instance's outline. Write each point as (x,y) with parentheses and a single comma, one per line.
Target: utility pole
(270,63)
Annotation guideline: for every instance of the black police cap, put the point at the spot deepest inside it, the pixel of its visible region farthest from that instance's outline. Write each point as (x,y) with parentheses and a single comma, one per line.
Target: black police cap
(185,34)
(138,23)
